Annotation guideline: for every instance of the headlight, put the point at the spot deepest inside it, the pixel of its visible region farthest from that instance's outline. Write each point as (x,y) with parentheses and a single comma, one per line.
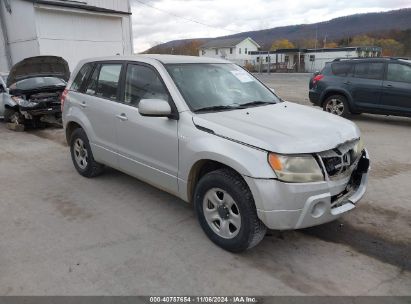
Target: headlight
(295,169)
(24,103)
(358,148)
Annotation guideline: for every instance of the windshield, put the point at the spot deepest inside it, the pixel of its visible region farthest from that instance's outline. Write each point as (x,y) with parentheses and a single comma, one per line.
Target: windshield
(37,82)
(220,86)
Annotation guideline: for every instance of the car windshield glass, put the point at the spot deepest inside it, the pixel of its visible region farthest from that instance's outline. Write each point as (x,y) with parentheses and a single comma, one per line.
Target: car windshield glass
(37,83)
(219,87)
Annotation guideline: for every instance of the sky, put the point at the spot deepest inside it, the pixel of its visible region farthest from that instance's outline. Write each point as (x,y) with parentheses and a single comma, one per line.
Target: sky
(159,21)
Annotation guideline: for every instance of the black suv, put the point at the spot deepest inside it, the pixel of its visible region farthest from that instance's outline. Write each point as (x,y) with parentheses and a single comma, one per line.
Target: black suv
(363,85)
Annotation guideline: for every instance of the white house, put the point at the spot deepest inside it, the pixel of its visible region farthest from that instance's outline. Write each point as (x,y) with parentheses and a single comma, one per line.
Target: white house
(307,60)
(71,29)
(234,49)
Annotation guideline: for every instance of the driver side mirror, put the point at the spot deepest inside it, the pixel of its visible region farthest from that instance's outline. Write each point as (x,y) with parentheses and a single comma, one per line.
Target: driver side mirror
(154,108)
(316,73)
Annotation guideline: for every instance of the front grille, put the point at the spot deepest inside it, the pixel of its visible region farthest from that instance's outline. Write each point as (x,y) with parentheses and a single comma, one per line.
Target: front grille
(340,161)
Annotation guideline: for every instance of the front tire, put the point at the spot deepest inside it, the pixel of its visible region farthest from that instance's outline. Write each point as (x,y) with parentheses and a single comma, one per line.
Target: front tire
(13,116)
(226,211)
(82,155)
(336,104)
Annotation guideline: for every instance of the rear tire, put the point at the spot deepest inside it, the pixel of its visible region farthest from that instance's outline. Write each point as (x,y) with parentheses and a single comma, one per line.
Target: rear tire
(337,104)
(82,155)
(226,211)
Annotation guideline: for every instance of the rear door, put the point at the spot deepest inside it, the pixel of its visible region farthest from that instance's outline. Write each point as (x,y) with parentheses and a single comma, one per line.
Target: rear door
(365,84)
(396,93)
(100,104)
(148,146)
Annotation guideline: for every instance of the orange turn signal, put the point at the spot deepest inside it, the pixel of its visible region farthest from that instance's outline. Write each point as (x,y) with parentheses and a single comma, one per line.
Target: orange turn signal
(275,162)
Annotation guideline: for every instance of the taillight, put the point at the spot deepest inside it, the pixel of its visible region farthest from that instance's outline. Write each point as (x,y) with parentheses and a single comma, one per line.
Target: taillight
(317,79)
(63,98)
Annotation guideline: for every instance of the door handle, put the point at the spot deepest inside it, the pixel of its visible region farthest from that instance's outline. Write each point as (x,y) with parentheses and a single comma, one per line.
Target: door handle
(389,85)
(83,104)
(122,117)
(347,82)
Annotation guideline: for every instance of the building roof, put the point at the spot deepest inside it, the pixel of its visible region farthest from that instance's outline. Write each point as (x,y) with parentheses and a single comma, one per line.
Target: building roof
(225,42)
(77,5)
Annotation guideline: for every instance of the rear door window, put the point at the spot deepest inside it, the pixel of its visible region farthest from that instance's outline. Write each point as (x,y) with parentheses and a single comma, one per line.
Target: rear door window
(399,72)
(369,70)
(342,68)
(105,80)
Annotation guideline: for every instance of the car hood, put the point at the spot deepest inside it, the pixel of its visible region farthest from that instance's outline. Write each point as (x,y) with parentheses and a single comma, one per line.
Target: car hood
(285,127)
(39,66)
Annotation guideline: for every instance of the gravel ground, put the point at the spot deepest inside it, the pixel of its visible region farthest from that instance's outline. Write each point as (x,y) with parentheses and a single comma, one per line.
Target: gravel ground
(114,235)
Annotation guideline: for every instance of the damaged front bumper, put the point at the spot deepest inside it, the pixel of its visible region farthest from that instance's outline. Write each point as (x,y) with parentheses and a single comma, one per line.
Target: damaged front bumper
(283,206)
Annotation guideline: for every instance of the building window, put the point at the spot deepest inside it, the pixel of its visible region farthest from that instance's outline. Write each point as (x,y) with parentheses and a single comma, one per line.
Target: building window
(286,58)
(312,57)
(258,59)
(245,51)
(267,59)
(203,52)
(216,51)
(239,51)
(231,50)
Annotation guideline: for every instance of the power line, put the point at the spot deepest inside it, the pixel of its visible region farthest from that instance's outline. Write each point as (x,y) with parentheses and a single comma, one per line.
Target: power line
(181,17)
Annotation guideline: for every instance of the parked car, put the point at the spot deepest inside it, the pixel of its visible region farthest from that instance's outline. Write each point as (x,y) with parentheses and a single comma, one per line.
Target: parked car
(35,86)
(210,133)
(365,85)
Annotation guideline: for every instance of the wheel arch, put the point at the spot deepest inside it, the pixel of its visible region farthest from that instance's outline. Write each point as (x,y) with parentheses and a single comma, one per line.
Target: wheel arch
(337,91)
(201,168)
(71,126)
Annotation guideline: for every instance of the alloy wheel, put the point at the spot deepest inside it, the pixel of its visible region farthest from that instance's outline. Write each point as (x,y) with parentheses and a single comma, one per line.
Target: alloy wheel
(80,153)
(335,106)
(221,213)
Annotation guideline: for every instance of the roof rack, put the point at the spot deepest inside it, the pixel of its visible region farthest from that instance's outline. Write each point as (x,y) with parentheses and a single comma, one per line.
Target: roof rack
(349,58)
(400,58)
(359,58)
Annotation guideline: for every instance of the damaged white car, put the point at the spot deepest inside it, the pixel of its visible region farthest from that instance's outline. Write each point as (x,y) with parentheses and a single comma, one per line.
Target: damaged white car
(212,134)
(35,86)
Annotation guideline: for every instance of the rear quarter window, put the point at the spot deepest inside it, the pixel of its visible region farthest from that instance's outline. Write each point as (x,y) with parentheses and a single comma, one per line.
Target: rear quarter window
(341,68)
(81,77)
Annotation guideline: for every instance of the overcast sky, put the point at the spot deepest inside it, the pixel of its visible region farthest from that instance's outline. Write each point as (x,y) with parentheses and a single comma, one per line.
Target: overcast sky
(163,20)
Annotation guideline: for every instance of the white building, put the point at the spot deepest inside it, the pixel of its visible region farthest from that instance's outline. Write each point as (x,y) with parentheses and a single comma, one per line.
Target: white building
(234,49)
(71,29)
(307,60)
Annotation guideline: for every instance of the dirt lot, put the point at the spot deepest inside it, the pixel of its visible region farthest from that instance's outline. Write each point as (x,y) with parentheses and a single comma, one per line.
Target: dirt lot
(62,234)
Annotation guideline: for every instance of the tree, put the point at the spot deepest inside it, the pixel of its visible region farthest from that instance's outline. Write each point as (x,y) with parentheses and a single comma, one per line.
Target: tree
(390,47)
(282,44)
(362,40)
(331,45)
(307,43)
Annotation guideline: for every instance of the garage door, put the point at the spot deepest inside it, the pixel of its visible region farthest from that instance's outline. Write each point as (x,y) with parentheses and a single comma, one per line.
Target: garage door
(76,35)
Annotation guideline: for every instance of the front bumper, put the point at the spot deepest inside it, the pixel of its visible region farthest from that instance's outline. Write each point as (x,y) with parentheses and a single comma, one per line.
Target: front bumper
(284,206)
(51,110)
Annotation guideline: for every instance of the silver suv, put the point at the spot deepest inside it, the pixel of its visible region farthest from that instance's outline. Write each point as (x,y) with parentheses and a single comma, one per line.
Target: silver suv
(210,133)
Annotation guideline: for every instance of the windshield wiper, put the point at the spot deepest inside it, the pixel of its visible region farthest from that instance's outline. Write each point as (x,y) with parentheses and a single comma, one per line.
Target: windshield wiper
(218,108)
(257,103)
